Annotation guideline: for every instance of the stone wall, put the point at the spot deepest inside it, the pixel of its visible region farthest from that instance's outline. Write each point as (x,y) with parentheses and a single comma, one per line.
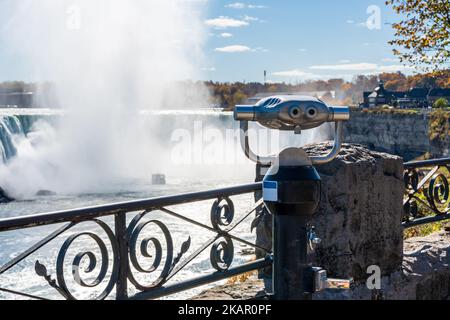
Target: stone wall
(401,134)
(360,213)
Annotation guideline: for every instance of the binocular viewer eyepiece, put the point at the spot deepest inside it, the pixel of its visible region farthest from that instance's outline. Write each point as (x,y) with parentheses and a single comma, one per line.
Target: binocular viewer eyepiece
(291,113)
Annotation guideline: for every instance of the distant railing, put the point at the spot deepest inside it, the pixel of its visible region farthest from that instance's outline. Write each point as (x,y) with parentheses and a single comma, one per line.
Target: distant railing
(116,260)
(427,195)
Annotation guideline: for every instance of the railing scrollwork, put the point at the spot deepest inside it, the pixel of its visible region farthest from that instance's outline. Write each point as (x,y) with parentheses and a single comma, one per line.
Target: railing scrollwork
(150,247)
(427,192)
(61,284)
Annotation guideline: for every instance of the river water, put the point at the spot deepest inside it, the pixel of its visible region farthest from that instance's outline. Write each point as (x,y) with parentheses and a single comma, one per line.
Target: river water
(23,278)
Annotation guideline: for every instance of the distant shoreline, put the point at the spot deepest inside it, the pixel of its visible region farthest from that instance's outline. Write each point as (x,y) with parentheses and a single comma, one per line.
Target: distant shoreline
(61,112)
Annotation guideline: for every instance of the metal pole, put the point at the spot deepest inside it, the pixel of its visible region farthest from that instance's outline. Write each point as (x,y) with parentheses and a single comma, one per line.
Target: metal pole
(120,222)
(290,245)
(291,192)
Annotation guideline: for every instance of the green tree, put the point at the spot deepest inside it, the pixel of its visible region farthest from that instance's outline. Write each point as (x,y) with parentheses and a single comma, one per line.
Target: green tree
(441,103)
(422,38)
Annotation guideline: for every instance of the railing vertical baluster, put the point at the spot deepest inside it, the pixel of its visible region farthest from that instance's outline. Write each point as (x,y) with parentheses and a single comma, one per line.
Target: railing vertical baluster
(120,222)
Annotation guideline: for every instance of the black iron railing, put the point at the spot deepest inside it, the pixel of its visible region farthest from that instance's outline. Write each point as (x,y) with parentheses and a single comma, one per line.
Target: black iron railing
(116,263)
(122,240)
(427,193)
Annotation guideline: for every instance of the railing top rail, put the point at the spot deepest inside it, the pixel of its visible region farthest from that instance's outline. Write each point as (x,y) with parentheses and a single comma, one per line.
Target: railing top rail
(424,163)
(90,213)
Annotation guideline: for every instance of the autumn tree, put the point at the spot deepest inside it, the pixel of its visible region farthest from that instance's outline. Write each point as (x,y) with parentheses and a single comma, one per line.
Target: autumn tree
(394,81)
(422,38)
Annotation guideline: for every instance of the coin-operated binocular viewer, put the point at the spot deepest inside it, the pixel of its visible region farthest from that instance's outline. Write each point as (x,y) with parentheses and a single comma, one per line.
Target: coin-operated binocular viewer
(292,188)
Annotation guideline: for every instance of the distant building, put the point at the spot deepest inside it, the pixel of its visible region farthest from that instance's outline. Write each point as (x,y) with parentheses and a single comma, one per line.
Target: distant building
(379,96)
(16,99)
(414,98)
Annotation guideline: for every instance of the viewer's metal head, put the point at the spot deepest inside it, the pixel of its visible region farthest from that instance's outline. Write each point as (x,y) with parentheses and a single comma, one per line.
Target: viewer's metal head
(292,113)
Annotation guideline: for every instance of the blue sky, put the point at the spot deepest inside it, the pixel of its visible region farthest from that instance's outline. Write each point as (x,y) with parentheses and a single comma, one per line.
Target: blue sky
(298,40)
(294,40)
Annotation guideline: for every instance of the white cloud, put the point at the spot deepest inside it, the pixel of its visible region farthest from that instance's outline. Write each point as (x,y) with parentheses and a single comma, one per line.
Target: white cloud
(302,50)
(291,73)
(260,49)
(233,49)
(209,69)
(236,5)
(390,59)
(362,67)
(347,66)
(226,35)
(253,6)
(395,68)
(223,22)
(350,21)
(344,61)
(240,48)
(298,74)
(250,18)
(240,5)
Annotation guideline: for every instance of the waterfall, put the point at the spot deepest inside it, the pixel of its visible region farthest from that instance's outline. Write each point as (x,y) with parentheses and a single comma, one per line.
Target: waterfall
(12,129)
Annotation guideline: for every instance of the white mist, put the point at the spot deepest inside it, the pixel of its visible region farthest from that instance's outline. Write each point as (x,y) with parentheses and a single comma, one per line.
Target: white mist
(108,59)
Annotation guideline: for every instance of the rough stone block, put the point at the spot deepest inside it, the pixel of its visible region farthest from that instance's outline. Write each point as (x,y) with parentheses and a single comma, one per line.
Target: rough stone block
(360,213)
